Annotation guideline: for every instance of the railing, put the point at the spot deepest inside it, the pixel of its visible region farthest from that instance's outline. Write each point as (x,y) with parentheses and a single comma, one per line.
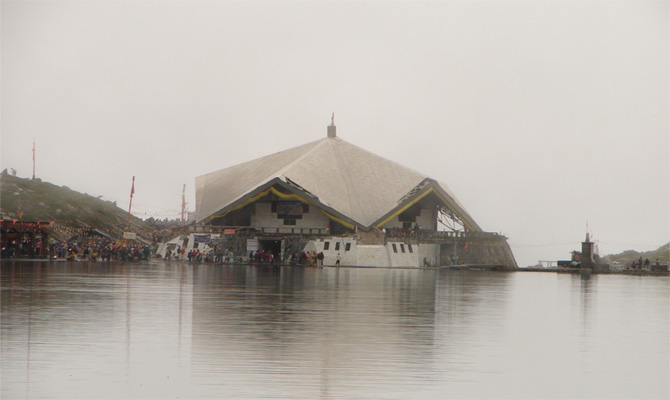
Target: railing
(420,235)
(467,235)
(425,235)
(257,230)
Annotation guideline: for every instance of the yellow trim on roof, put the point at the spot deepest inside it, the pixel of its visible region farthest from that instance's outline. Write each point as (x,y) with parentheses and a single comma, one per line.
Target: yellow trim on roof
(411,203)
(341,221)
(403,208)
(291,196)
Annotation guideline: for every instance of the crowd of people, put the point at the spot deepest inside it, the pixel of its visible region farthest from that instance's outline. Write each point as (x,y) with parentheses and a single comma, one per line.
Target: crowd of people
(225,256)
(201,256)
(307,258)
(640,265)
(101,251)
(74,250)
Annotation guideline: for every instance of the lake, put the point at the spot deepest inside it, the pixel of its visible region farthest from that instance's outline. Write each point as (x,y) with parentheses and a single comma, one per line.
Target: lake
(160,330)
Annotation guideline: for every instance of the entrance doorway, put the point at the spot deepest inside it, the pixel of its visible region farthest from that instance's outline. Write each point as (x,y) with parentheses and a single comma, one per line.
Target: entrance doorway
(270,246)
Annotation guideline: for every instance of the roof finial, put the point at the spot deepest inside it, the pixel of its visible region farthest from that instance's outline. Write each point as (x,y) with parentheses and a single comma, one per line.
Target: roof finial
(331,128)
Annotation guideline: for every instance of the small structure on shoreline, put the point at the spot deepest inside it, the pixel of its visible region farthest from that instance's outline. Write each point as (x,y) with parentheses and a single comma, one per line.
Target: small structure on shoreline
(24,238)
(588,261)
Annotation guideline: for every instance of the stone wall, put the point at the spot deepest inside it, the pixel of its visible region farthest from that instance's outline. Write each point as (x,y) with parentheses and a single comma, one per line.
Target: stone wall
(480,251)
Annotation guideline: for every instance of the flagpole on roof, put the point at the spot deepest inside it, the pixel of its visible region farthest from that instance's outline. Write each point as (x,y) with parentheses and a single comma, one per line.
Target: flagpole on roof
(132,192)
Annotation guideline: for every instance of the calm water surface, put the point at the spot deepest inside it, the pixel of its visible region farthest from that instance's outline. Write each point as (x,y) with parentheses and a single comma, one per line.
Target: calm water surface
(175,331)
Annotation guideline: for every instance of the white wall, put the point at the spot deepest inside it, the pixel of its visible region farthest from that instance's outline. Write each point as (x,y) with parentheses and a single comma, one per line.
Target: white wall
(427,219)
(330,255)
(373,255)
(178,241)
(431,252)
(399,258)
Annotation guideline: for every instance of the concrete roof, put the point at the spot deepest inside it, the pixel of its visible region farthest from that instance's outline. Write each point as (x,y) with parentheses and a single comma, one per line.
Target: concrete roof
(345,178)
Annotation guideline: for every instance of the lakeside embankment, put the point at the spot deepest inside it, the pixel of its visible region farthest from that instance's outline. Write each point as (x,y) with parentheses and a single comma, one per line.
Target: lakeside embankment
(661,270)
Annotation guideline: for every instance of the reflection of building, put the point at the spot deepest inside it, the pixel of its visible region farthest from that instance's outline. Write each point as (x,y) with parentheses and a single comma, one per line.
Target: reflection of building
(334,197)
(330,327)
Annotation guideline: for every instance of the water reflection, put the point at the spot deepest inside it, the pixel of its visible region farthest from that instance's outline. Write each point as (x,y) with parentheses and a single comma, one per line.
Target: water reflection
(316,328)
(586,283)
(89,329)
(173,330)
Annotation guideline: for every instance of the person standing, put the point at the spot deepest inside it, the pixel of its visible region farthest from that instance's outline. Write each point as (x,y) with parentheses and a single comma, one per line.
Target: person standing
(337,260)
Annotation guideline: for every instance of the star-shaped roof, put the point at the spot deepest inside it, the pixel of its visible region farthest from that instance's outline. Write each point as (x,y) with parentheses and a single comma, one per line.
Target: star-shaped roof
(346,179)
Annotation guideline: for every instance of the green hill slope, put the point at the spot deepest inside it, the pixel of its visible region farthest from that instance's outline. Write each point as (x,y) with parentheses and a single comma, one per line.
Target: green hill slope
(43,201)
(628,256)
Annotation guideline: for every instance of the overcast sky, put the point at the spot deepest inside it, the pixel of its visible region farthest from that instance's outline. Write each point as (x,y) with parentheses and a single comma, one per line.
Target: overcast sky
(539,115)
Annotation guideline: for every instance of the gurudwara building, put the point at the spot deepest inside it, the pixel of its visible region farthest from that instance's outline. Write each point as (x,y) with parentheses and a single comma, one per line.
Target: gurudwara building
(333,197)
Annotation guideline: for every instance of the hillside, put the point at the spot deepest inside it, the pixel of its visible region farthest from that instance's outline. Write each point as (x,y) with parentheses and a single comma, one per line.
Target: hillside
(628,256)
(43,201)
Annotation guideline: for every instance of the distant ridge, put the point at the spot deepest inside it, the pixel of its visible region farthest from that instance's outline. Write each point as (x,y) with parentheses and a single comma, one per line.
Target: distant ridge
(628,256)
(44,201)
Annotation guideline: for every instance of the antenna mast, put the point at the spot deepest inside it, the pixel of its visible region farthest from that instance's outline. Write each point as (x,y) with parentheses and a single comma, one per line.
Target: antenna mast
(183,204)
(34,159)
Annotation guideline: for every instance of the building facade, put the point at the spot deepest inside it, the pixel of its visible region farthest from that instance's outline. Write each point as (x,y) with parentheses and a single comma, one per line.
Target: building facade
(333,197)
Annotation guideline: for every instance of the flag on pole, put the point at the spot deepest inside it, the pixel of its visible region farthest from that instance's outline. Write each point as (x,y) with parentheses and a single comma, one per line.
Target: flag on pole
(183,203)
(34,158)
(130,205)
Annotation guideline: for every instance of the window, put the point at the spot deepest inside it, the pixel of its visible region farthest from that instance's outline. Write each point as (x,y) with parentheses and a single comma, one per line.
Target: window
(289,221)
(326,245)
(402,247)
(347,247)
(395,249)
(337,245)
(288,209)
(409,247)
(305,208)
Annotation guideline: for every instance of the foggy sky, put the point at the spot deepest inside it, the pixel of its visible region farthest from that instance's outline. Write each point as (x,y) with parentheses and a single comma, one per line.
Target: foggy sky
(539,115)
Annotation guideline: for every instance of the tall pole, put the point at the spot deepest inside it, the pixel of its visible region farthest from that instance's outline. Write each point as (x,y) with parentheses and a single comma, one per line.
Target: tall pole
(183,204)
(132,192)
(33,159)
